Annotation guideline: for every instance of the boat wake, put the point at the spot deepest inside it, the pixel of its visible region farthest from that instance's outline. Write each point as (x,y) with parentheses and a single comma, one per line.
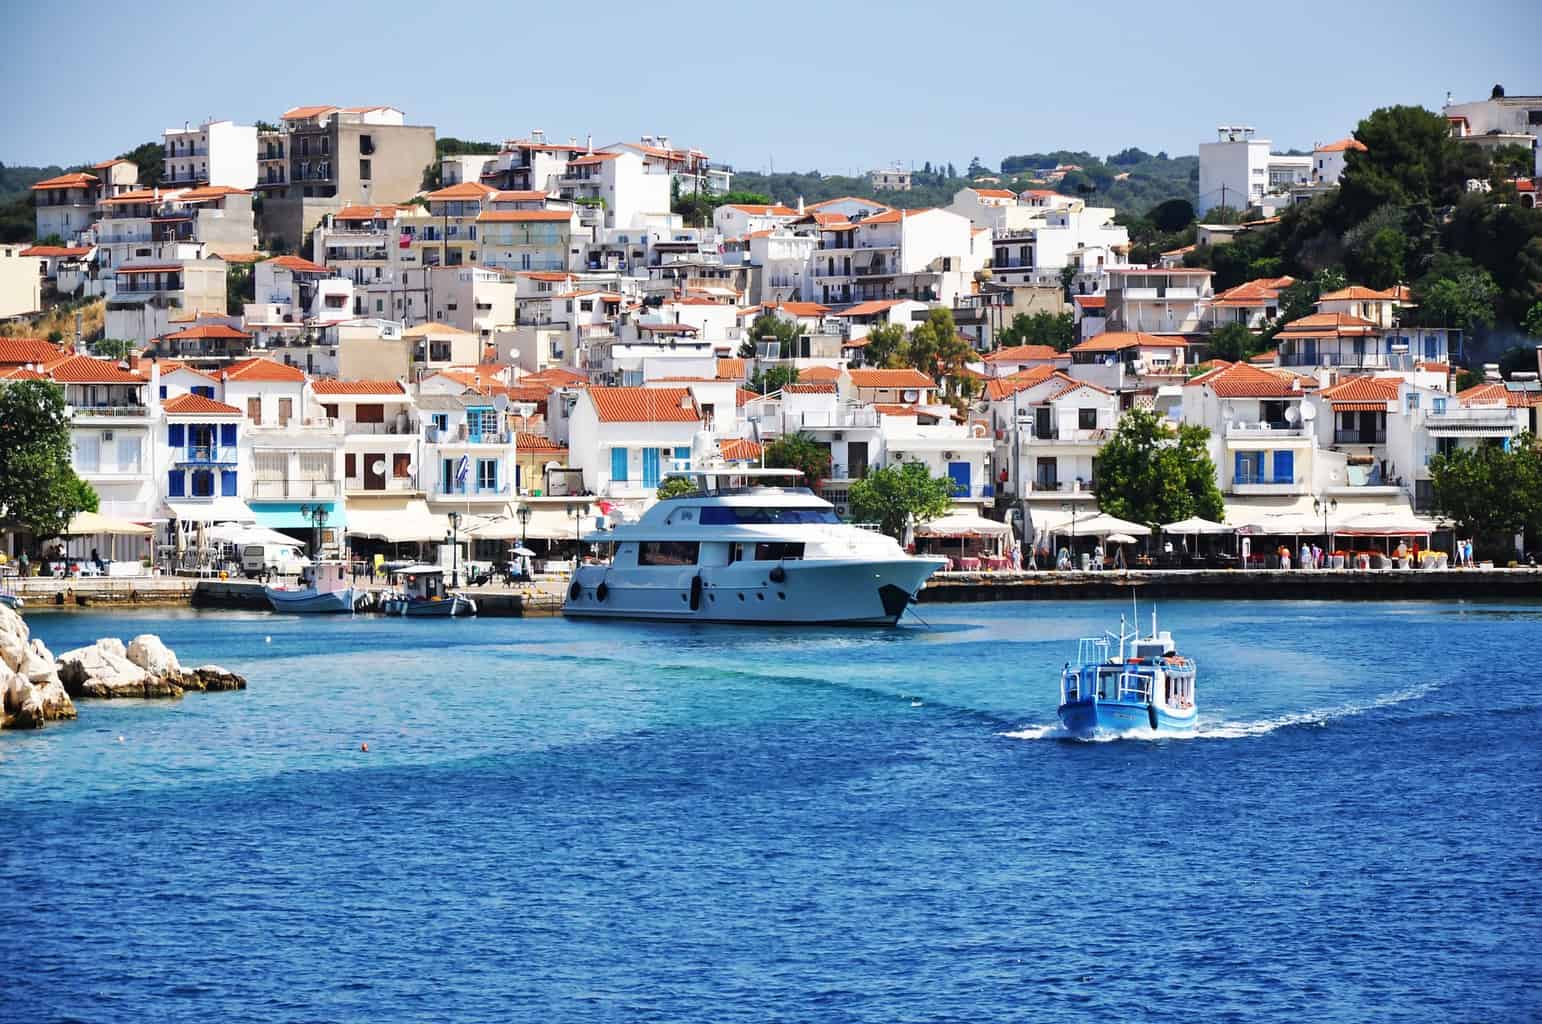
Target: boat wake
(1228,730)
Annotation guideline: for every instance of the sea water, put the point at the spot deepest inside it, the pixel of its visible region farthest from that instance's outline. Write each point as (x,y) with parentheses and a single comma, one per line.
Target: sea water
(630,822)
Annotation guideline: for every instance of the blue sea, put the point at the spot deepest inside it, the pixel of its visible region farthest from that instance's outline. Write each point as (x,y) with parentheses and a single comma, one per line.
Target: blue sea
(564,821)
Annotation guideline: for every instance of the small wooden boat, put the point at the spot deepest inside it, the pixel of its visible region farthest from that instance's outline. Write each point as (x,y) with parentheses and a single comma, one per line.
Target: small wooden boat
(326,589)
(420,592)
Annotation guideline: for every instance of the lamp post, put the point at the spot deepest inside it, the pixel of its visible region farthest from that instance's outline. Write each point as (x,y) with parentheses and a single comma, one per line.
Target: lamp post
(576,513)
(524,526)
(317,516)
(1071,508)
(1322,508)
(454,550)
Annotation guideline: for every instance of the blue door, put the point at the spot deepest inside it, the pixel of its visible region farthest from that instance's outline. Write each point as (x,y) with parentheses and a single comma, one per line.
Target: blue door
(1284,467)
(958,472)
(618,465)
(650,467)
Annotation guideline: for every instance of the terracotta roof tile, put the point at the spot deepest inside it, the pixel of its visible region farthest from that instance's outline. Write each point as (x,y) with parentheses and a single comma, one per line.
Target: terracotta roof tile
(906,378)
(818,374)
(737,449)
(1357,293)
(1318,325)
(263,369)
(357,387)
(191,404)
(998,388)
(802,387)
(86,370)
(1341,145)
(644,405)
(77,180)
(296,263)
(1239,380)
(556,376)
(464,190)
(1363,389)
(55,251)
(526,441)
(1022,353)
(523,216)
(383,211)
(732,369)
(28,350)
(870,308)
(206,332)
(1117,341)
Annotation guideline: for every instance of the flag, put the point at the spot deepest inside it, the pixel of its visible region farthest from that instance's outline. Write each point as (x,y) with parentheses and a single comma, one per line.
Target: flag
(462,471)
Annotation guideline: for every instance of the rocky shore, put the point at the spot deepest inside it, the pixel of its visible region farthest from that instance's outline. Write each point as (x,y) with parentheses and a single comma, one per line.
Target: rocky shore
(36,687)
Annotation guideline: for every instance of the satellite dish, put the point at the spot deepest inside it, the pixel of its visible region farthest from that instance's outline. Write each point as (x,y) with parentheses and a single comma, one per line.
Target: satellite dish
(911,395)
(1292,415)
(1308,413)
(378,466)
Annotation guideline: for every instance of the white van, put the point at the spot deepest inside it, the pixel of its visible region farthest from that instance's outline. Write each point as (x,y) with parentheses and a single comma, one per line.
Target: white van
(272,560)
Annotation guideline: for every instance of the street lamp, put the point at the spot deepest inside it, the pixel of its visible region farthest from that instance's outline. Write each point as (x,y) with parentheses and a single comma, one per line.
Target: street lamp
(1071,508)
(576,513)
(524,526)
(317,516)
(454,550)
(1322,508)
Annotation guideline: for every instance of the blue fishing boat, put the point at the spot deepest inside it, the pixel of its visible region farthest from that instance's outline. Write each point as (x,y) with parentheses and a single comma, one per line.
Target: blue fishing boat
(1124,682)
(325,588)
(421,593)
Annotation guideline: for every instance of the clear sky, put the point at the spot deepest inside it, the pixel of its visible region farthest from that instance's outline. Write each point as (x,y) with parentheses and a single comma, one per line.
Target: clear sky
(832,86)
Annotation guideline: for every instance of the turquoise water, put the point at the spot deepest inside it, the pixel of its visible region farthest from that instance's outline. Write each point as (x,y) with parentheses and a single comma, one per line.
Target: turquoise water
(600,821)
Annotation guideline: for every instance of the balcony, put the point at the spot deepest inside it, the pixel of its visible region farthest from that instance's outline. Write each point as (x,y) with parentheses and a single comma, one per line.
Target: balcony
(204,455)
(459,435)
(836,419)
(1359,437)
(1092,437)
(1249,482)
(277,490)
(1457,421)
(115,410)
(1070,488)
(469,490)
(1271,431)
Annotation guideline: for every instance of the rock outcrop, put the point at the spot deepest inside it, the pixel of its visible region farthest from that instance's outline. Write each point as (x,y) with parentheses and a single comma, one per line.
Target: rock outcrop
(31,691)
(146,668)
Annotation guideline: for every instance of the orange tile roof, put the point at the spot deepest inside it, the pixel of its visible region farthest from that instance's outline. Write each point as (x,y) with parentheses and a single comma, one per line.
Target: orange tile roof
(357,387)
(1258,292)
(170,366)
(1239,380)
(305,113)
(517,195)
(464,190)
(516,216)
(819,373)
(589,160)
(737,449)
(77,180)
(54,251)
(211,332)
(995,193)
(297,264)
(546,275)
(1357,293)
(1019,353)
(732,369)
(906,378)
(525,441)
(870,308)
(1432,367)
(1363,389)
(742,395)
(86,370)
(1317,325)
(776,210)
(1341,145)
(21,373)
(191,404)
(895,410)
(1091,301)
(998,388)
(810,387)
(28,350)
(537,393)
(808,310)
(644,405)
(143,195)
(1118,341)
(210,192)
(556,376)
(1493,391)
(844,199)
(382,211)
(260,368)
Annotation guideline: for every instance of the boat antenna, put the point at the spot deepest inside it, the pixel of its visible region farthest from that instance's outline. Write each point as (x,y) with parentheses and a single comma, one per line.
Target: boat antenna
(1134,612)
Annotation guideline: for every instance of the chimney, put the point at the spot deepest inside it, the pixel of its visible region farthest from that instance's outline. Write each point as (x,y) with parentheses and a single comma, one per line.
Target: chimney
(590,143)
(153,395)
(800,206)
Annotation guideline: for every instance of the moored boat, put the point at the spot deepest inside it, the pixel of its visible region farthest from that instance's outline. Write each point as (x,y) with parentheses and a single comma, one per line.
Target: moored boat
(326,589)
(421,593)
(1143,684)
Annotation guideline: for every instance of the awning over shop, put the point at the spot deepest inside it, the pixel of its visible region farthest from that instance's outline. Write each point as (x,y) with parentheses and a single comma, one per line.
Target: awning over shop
(549,523)
(91,524)
(395,519)
(1102,524)
(286,515)
(1196,525)
(213,510)
(1372,516)
(962,524)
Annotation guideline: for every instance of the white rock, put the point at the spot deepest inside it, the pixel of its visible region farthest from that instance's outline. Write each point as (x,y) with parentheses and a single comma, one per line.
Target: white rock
(154,657)
(100,670)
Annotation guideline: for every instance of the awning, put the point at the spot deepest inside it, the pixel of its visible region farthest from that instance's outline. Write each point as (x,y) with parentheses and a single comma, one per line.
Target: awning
(395,519)
(232,534)
(545,524)
(1391,516)
(1194,525)
(1102,524)
(91,524)
(1359,406)
(286,515)
(214,510)
(1388,523)
(962,524)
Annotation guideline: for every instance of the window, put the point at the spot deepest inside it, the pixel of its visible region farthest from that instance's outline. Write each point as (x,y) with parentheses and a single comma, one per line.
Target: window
(401,465)
(667,552)
(175,484)
(487,474)
(1413,400)
(1086,419)
(730,516)
(369,413)
(203,483)
(1439,406)
(772,551)
(254,410)
(618,461)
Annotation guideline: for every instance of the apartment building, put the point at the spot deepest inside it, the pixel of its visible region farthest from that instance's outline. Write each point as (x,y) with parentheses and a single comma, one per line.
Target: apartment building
(113,412)
(220,153)
(23,269)
(65,205)
(144,297)
(617,189)
(1499,120)
(929,255)
(1158,300)
(1360,328)
(1239,171)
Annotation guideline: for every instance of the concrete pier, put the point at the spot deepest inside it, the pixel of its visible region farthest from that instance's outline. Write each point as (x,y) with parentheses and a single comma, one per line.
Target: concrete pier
(72,592)
(1231,584)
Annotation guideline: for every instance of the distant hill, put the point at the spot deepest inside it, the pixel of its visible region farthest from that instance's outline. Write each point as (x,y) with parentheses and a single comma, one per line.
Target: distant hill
(16,216)
(1131,181)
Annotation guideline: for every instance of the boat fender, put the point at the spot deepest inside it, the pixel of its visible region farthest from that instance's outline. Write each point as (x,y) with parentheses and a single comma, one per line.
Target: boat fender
(576,589)
(696,592)
(1151,713)
(600,592)
(778,574)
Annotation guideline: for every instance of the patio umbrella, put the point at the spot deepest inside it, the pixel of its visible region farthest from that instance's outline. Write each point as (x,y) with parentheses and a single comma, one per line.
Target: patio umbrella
(524,552)
(1194,524)
(1120,538)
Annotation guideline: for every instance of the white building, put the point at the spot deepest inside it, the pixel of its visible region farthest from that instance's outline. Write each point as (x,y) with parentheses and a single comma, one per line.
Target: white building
(1328,159)
(21,280)
(625,438)
(1499,121)
(619,190)
(930,255)
(890,179)
(292,290)
(1239,171)
(113,416)
(214,153)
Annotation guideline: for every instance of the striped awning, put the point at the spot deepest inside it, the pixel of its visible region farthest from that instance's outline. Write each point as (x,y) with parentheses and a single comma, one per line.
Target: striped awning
(1359,406)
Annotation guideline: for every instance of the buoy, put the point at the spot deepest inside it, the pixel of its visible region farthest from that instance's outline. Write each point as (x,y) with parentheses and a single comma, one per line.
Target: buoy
(120,739)
(364,747)
(915,703)
(267,639)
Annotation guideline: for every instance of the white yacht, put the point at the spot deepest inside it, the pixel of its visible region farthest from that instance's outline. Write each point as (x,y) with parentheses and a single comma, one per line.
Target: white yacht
(732,552)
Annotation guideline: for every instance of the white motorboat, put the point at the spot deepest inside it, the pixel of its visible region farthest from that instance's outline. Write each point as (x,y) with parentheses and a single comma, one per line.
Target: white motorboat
(421,593)
(325,589)
(733,552)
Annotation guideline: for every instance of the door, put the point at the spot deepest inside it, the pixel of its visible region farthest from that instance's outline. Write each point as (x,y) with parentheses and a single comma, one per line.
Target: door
(285,410)
(650,467)
(446,476)
(374,472)
(1041,423)
(856,460)
(254,410)
(958,472)
(1046,475)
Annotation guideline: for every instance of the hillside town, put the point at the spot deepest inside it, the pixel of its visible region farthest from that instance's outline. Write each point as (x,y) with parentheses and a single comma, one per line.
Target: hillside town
(536,342)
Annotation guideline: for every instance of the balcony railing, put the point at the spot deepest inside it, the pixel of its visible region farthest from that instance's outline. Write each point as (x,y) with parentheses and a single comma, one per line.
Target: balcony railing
(1263,429)
(459,435)
(205,455)
(276,489)
(470,490)
(109,410)
(1248,478)
(1359,437)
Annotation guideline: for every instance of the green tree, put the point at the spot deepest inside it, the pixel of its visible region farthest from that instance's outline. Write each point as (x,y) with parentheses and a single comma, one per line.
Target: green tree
(801,452)
(1172,215)
(1376,249)
(1491,492)
(884,342)
(1300,299)
(935,348)
(1533,322)
(774,378)
(1057,330)
(1456,293)
(240,288)
(1409,157)
(1222,215)
(39,491)
(895,497)
(150,158)
(675,487)
(770,327)
(116,349)
(1149,475)
(1233,342)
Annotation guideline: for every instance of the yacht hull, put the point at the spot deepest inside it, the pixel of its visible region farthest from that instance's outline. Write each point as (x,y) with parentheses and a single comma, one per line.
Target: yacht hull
(808,592)
(1091,716)
(308,602)
(449,608)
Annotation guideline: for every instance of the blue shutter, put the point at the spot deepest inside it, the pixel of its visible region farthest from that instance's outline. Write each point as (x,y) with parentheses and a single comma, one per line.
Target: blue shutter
(163,392)
(174,484)
(650,467)
(1239,470)
(228,483)
(958,472)
(227,435)
(174,435)
(1284,467)
(205,390)
(683,454)
(618,464)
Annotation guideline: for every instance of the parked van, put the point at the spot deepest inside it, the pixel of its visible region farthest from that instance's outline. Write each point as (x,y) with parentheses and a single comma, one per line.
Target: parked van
(272,560)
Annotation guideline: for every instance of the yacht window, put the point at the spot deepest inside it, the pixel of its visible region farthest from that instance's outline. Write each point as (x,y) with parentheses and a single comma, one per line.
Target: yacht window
(772,551)
(667,552)
(724,515)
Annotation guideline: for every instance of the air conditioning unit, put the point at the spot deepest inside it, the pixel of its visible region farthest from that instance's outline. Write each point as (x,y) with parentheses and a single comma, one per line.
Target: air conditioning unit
(107,435)
(837,436)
